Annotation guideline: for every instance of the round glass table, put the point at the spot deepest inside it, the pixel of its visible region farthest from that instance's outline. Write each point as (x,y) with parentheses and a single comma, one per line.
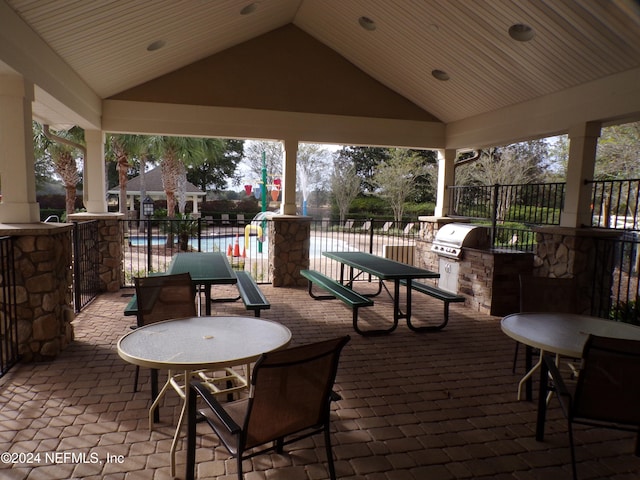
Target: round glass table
(195,345)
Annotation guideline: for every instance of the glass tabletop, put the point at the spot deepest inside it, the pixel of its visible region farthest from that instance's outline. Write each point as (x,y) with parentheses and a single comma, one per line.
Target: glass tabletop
(202,342)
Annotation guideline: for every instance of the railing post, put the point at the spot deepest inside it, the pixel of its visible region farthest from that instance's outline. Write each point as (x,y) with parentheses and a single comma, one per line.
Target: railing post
(494,214)
(149,245)
(77,287)
(370,235)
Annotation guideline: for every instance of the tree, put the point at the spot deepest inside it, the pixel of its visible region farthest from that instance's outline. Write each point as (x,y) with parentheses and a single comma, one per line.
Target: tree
(312,168)
(62,149)
(345,184)
(396,179)
(514,164)
(365,161)
(213,171)
(122,149)
(618,152)
(175,153)
(274,154)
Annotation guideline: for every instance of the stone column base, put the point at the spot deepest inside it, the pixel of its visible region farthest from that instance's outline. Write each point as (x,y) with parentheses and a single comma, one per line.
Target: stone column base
(289,243)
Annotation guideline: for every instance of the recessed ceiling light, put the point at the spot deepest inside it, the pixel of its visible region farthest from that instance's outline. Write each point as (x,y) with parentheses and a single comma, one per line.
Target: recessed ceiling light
(440,75)
(252,7)
(521,32)
(157,45)
(367,23)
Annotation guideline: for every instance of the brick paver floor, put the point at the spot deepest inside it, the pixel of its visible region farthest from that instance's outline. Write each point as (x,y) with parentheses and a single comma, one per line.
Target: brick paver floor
(415,406)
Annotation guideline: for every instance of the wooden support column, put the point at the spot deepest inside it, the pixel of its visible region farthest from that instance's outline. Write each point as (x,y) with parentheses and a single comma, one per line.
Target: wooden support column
(94,191)
(583,143)
(17,173)
(289,177)
(446,159)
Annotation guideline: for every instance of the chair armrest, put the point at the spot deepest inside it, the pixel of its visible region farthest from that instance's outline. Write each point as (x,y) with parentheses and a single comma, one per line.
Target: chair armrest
(215,407)
(558,383)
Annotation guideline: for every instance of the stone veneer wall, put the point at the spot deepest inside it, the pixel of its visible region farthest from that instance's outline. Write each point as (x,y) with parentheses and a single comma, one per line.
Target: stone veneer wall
(488,279)
(289,241)
(571,253)
(42,255)
(110,257)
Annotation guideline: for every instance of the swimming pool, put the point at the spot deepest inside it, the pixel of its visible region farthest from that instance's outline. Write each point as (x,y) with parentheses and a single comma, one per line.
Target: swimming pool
(221,243)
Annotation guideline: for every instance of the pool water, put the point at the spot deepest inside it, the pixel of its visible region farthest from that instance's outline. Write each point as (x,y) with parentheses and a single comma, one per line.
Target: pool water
(221,243)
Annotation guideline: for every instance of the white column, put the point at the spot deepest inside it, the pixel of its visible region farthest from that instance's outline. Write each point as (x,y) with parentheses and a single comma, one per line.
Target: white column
(94,181)
(583,143)
(195,204)
(289,177)
(446,160)
(17,172)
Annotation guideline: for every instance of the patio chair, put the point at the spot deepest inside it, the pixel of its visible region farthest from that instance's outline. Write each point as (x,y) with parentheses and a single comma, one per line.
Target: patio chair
(240,219)
(366,226)
(291,392)
(348,225)
(163,297)
(545,294)
(607,393)
(386,227)
(224,219)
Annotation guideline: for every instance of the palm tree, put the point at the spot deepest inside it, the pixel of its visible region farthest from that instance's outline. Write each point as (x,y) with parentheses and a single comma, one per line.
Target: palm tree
(123,149)
(177,153)
(62,150)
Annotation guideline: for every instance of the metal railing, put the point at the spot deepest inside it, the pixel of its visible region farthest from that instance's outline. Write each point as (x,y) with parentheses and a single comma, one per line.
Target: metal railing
(86,263)
(148,245)
(509,209)
(615,204)
(615,292)
(8,320)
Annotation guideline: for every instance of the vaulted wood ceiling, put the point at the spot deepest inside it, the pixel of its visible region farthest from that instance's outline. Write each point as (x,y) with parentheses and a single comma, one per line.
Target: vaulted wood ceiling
(576,42)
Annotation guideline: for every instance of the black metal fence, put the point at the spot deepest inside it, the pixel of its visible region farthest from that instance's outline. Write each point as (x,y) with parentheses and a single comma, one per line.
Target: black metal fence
(8,317)
(511,210)
(615,203)
(149,245)
(86,263)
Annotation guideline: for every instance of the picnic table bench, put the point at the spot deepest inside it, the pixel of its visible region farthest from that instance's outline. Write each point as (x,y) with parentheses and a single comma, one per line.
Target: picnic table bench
(337,290)
(438,293)
(250,293)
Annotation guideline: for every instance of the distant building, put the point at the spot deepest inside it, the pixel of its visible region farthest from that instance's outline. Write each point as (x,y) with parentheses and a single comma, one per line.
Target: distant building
(155,190)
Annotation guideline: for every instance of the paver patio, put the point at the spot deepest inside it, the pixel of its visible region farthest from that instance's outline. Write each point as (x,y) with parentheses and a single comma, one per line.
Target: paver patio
(415,406)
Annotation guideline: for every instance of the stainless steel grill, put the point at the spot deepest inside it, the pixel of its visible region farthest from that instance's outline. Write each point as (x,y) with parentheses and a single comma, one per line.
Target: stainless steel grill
(451,238)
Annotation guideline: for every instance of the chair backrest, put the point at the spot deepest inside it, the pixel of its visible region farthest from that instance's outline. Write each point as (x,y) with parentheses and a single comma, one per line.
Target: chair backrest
(164,297)
(608,389)
(291,391)
(545,294)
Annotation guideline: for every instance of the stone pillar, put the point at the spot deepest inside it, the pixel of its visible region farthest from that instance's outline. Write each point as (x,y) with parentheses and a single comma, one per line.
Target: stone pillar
(42,255)
(289,246)
(573,253)
(111,257)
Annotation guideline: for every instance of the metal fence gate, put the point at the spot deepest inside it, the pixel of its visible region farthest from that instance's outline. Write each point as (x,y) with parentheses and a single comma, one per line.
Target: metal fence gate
(86,263)
(8,317)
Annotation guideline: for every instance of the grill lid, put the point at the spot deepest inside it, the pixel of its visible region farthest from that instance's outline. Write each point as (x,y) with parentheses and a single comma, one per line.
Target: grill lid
(450,239)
